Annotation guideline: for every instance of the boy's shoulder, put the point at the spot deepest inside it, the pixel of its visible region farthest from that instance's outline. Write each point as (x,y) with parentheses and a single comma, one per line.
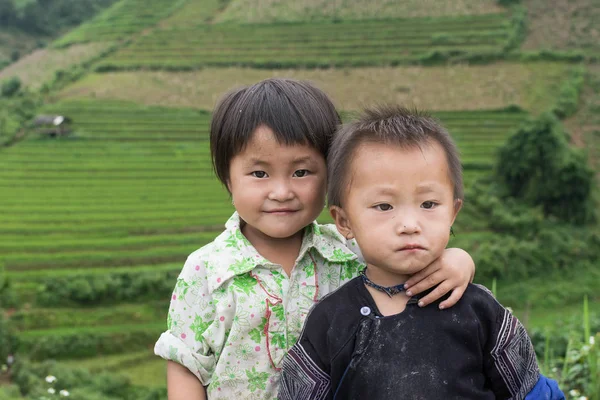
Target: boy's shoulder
(340,302)
(482,301)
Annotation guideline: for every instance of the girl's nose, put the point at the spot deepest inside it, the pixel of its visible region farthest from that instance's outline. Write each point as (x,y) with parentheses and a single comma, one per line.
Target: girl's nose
(281,191)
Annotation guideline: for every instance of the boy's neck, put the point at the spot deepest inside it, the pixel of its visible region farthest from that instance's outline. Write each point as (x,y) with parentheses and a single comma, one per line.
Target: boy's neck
(282,251)
(383,277)
(387,305)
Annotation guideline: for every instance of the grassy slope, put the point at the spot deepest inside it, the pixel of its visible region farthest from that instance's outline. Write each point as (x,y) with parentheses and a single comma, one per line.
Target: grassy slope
(460,87)
(348,43)
(566,25)
(28,68)
(253,11)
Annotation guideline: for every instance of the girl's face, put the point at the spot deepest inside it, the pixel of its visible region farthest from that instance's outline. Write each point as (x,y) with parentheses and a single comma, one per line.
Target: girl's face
(277,190)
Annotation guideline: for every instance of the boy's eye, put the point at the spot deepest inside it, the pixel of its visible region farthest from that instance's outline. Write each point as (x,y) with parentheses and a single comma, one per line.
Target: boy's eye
(383,207)
(428,205)
(259,174)
(301,173)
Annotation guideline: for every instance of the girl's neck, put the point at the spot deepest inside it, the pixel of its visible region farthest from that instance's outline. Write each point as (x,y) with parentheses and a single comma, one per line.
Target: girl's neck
(282,251)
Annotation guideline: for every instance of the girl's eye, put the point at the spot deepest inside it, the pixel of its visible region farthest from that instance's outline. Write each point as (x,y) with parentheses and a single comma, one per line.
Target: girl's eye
(301,173)
(259,174)
(428,205)
(383,207)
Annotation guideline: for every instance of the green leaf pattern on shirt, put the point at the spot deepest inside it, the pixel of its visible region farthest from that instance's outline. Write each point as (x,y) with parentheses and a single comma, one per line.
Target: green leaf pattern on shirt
(199,327)
(257,333)
(244,283)
(256,380)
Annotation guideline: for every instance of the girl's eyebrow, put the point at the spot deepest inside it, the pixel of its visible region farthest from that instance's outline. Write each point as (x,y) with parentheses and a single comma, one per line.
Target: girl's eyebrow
(299,160)
(256,161)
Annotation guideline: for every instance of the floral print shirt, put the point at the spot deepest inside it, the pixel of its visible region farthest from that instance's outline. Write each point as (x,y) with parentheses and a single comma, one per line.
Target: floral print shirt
(234,314)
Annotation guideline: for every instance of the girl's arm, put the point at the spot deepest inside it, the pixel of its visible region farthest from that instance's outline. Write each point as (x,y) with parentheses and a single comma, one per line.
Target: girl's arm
(182,384)
(190,342)
(452,272)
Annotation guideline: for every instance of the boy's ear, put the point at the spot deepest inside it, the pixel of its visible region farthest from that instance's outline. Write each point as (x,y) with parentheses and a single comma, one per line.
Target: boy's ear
(341,222)
(458,203)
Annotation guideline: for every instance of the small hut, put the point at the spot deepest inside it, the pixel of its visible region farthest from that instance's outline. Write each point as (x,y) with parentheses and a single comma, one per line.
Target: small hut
(52,125)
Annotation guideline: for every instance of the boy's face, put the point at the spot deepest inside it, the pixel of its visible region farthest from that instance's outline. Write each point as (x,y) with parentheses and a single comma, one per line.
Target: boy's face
(277,189)
(399,205)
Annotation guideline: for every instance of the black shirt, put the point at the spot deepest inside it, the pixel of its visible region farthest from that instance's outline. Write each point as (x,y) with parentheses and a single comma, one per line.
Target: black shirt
(348,350)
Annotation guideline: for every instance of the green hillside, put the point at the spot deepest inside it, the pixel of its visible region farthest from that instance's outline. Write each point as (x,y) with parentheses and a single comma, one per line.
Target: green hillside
(96,225)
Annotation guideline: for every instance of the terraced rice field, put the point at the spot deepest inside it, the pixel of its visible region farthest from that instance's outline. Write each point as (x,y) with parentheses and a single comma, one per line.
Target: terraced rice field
(123,19)
(123,201)
(264,11)
(319,44)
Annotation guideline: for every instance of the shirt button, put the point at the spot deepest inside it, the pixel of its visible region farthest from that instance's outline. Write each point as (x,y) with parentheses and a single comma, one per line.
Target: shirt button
(365,311)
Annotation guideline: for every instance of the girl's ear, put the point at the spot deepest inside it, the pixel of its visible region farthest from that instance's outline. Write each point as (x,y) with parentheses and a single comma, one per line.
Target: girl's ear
(458,203)
(341,222)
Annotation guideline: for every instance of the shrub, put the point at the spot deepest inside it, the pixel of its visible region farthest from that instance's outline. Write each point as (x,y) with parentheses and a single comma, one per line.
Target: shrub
(81,384)
(537,165)
(10,87)
(94,289)
(568,97)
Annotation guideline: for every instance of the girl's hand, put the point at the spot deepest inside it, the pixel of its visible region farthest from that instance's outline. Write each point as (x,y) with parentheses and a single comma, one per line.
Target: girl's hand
(452,271)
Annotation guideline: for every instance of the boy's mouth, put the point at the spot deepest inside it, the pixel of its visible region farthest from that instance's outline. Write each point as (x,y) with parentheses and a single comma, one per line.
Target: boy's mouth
(411,247)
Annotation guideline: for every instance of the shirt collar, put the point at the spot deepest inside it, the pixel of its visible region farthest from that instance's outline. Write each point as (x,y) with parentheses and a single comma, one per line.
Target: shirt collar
(325,240)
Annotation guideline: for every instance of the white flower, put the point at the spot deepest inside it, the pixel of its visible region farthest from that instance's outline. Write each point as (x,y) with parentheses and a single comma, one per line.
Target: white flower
(585,348)
(64,393)
(592,340)
(574,392)
(583,398)
(50,379)
(51,390)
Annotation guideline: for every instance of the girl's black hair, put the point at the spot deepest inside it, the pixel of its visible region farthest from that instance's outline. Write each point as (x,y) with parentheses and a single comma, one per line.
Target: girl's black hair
(296,111)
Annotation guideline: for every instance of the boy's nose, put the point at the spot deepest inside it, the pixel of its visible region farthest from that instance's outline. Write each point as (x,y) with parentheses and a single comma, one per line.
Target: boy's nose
(407,225)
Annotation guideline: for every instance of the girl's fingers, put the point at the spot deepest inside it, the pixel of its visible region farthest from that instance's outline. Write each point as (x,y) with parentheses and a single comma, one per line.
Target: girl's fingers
(425,283)
(416,284)
(456,295)
(435,294)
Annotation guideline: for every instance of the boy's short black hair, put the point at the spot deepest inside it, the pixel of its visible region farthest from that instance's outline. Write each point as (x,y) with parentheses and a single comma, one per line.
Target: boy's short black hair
(296,111)
(392,125)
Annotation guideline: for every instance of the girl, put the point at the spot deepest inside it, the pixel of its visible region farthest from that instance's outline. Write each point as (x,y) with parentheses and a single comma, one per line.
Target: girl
(240,302)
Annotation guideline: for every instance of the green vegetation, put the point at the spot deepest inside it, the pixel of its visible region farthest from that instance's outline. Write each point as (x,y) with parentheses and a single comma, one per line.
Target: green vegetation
(323,44)
(55,61)
(27,25)
(124,18)
(567,25)
(268,11)
(532,86)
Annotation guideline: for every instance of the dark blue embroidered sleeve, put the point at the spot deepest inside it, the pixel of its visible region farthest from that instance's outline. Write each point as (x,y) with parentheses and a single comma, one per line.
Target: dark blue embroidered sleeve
(510,362)
(301,376)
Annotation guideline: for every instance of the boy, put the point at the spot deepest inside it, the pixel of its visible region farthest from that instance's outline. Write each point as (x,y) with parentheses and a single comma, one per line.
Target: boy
(395,185)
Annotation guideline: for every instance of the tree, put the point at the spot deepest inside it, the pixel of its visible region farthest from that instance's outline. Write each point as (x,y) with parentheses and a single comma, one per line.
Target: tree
(537,165)
(8,13)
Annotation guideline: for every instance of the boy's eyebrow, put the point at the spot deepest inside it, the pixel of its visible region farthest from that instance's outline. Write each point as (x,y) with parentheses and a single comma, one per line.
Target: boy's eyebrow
(427,187)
